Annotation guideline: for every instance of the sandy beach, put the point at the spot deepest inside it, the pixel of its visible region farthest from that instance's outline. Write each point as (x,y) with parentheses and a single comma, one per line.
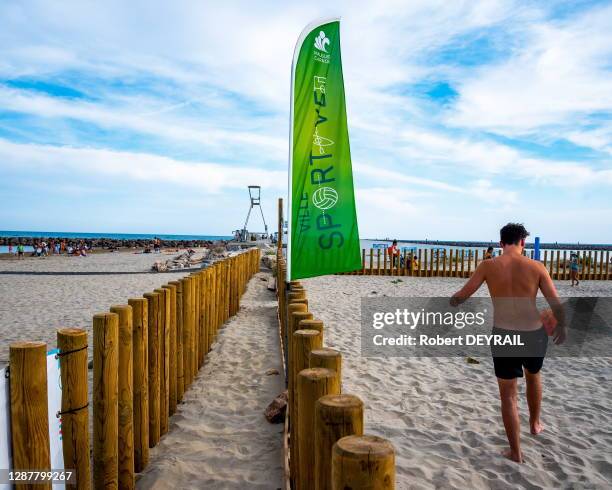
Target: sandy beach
(442,414)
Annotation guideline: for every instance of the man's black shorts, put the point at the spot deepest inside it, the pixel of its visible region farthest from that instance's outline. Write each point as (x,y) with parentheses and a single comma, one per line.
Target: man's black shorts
(509,361)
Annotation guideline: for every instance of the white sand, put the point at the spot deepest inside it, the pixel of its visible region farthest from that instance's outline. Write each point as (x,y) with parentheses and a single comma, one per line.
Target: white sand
(443,415)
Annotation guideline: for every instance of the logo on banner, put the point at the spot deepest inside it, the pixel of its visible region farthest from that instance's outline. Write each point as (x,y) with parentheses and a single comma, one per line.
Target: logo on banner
(321,41)
(325,198)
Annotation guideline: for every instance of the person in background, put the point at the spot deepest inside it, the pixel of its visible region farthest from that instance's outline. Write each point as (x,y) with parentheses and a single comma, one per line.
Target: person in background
(20,251)
(10,247)
(488,254)
(574,266)
(393,251)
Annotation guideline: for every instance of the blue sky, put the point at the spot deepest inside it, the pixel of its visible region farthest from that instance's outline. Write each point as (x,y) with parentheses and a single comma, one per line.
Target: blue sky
(155,116)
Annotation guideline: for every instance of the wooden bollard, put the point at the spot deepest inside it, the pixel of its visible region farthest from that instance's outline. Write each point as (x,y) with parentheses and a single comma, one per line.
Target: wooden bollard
(202,334)
(297,317)
(164,359)
(180,380)
(153,367)
(336,416)
(172,375)
(72,343)
(29,408)
(186,287)
(296,295)
(312,384)
(327,358)
(105,400)
(360,462)
(126,401)
(304,341)
(140,358)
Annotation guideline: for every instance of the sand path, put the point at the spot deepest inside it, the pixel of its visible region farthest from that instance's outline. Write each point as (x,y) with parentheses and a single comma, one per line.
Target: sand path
(219,437)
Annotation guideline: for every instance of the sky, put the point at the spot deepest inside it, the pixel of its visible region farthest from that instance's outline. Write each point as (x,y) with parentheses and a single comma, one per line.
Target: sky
(153,117)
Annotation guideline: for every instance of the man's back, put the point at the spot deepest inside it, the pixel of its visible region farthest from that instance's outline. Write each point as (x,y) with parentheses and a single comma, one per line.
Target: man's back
(513,281)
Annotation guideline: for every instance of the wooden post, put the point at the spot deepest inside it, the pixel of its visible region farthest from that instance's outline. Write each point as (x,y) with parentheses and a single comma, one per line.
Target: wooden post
(450,263)
(476,253)
(186,286)
(418,271)
(462,262)
(385,262)
(336,416)
(126,401)
(363,462)
(590,267)
(304,341)
(437,262)
(378,262)
(280,225)
(180,377)
(563,276)
(607,264)
(371,260)
(72,343)
(469,264)
(153,367)
(105,403)
(172,374)
(140,382)
(29,408)
(425,261)
(363,262)
(312,384)
(327,358)
(164,358)
(558,274)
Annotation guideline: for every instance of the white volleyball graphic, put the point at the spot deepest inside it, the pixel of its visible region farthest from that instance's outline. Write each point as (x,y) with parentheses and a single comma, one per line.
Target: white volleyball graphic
(325,198)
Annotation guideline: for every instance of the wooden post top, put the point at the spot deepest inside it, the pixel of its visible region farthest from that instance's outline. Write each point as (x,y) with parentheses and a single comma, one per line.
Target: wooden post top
(295,307)
(316,374)
(151,294)
(306,333)
(373,447)
(105,315)
(71,332)
(326,352)
(340,401)
(309,323)
(137,300)
(120,308)
(26,345)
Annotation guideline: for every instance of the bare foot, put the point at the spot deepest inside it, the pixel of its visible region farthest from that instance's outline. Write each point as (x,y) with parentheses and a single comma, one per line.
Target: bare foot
(536,428)
(517,458)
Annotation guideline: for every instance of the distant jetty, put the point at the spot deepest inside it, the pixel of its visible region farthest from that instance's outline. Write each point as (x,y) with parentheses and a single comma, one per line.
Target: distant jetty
(543,246)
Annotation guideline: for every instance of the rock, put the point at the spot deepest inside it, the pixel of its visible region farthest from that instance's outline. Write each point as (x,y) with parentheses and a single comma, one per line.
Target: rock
(275,412)
(471,360)
(271,371)
(90,364)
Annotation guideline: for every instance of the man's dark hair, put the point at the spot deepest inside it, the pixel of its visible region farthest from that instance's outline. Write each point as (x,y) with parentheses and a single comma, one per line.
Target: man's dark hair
(513,233)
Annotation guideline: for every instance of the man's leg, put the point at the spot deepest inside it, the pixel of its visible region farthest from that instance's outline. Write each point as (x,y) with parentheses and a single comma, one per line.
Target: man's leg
(534,400)
(510,416)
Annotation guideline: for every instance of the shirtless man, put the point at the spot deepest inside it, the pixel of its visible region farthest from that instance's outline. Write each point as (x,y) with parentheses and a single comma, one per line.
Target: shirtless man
(513,281)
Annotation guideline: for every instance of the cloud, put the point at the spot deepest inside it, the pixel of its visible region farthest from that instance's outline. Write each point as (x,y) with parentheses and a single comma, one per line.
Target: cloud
(96,163)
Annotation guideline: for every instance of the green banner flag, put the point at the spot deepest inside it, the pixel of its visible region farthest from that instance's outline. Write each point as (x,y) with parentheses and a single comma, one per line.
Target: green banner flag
(322,236)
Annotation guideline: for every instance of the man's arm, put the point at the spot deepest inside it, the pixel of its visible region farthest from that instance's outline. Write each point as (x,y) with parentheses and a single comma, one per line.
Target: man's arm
(471,286)
(547,286)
